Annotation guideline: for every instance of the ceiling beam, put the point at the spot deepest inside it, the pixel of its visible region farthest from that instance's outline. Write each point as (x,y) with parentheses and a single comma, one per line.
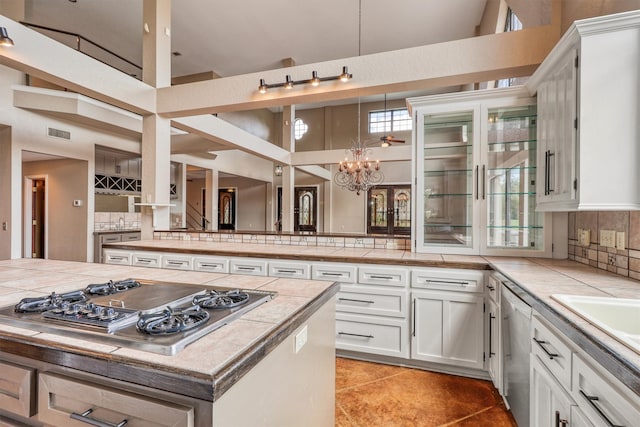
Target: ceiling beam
(451,63)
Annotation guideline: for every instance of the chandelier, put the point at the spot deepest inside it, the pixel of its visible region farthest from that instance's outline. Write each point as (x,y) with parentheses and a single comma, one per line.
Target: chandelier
(359,173)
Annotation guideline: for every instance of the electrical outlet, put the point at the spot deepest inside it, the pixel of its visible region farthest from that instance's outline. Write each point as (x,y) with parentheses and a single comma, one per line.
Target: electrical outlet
(584,237)
(620,240)
(301,339)
(611,259)
(608,238)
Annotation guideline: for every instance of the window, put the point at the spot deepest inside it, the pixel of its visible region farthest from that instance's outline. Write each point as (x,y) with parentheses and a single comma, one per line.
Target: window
(513,23)
(299,128)
(389,121)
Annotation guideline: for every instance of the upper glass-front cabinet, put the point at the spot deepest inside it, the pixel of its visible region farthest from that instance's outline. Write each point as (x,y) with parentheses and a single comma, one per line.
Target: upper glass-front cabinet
(512,221)
(447,175)
(475,168)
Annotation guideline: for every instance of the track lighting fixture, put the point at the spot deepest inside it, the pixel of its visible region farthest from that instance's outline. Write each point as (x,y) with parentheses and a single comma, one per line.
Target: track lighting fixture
(345,76)
(5,40)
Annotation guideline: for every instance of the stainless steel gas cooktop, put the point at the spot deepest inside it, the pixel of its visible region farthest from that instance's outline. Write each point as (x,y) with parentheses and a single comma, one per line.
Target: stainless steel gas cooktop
(159,317)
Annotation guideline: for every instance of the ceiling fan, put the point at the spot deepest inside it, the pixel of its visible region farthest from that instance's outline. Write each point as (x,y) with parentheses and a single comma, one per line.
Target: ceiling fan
(388,139)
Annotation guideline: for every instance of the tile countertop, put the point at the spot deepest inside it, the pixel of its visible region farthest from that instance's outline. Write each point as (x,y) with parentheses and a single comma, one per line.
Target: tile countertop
(537,279)
(305,253)
(231,350)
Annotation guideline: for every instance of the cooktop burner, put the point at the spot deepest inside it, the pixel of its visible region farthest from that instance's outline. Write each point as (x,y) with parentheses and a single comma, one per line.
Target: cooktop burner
(42,304)
(159,317)
(171,321)
(111,287)
(215,299)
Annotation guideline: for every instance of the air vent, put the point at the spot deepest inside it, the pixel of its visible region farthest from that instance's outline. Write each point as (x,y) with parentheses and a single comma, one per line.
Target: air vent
(57,133)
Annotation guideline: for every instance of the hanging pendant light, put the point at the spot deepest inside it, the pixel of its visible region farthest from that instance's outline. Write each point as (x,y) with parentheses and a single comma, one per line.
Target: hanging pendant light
(359,173)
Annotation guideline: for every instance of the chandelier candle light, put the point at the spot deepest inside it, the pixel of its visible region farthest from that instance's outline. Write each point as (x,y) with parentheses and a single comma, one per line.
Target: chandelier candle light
(359,173)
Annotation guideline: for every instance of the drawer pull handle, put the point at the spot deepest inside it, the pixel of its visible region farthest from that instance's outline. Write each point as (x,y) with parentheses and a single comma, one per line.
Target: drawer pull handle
(592,401)
(326,273)
(117,258)
(559,422)
(355,300)
(355,335)
(491,288)
(177,262)
(382,277)
(278,270)
(547,352)
(146,261)
(491,317)
(447,282)
(84,417)
(246,268)
(206,265)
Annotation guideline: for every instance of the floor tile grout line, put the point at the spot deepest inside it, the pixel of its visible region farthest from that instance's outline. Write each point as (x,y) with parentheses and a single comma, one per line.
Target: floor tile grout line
(346,414)
(369,382)
(451,423)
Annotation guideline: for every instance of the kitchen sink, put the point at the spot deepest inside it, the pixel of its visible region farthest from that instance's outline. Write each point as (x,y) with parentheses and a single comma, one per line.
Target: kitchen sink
(618,317)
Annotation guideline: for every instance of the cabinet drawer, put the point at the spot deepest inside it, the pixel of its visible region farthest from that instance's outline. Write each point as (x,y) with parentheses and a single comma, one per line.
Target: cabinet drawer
(17,389)
(143,259)
(64,401)
(111,238)
(387,276)
(604,399)
(111,256)
(493,287)
(129,237)
(177,262)
(211,264)
(251,267)
(552,350)
(370,334)
(290,269)
(448,279)
(344,273)
(372,301)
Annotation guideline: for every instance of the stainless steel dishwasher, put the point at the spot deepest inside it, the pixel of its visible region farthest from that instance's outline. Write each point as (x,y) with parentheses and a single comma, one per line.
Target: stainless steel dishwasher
(516,323)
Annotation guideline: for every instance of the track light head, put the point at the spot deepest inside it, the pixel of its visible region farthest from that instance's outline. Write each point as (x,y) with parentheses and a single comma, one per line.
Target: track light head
(263,86)
(5,40)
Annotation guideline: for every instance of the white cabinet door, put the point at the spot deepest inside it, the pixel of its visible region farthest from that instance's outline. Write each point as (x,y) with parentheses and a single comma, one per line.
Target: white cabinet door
(604,399)
(447,327)
(343,273)
(550,403)
(494,344)
(372,300)
(372,334)
(177,262)
(248,266)
(117,257)
(557,134)
(291,269)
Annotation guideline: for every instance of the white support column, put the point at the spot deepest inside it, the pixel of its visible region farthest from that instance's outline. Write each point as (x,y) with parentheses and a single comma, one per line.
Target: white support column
(288,172)
(156,130)
(211,196)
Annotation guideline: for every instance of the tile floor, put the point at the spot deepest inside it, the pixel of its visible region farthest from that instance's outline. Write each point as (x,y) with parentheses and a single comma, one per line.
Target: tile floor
(370,394)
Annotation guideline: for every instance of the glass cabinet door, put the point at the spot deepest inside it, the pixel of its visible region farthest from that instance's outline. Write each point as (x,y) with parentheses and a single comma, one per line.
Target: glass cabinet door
(512,221)
(448,179)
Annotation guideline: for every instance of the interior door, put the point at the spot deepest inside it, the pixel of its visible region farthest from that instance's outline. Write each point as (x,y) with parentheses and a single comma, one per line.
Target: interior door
(227,209)
(305,211)
(389,210)
(37,218)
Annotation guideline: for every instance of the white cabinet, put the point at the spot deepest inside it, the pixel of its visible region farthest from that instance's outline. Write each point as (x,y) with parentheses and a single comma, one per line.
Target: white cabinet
(146,259)
(371,334)
(117,257)
(343,273)
(550,403)
(372,300)
(587,127)
(494,343)
(248,266)
(475,166)
(447,328)
(212,264)
(291,269)
(177,262)
(603,399)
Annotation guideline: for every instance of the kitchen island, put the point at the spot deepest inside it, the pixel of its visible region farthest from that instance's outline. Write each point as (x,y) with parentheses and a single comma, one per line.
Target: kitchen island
(272,366)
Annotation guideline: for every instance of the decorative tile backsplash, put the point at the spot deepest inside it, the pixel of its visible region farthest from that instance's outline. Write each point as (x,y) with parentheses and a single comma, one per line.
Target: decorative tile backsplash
(624,257)
(288,239)
(107,221)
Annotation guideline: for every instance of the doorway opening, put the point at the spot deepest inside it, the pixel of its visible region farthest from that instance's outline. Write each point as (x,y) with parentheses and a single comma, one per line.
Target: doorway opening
(389,210)
(35,215)
(227,209)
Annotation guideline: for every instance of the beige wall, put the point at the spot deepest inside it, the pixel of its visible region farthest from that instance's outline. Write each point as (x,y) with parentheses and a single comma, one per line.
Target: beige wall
(66,229)
(5,192)
(572,10)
